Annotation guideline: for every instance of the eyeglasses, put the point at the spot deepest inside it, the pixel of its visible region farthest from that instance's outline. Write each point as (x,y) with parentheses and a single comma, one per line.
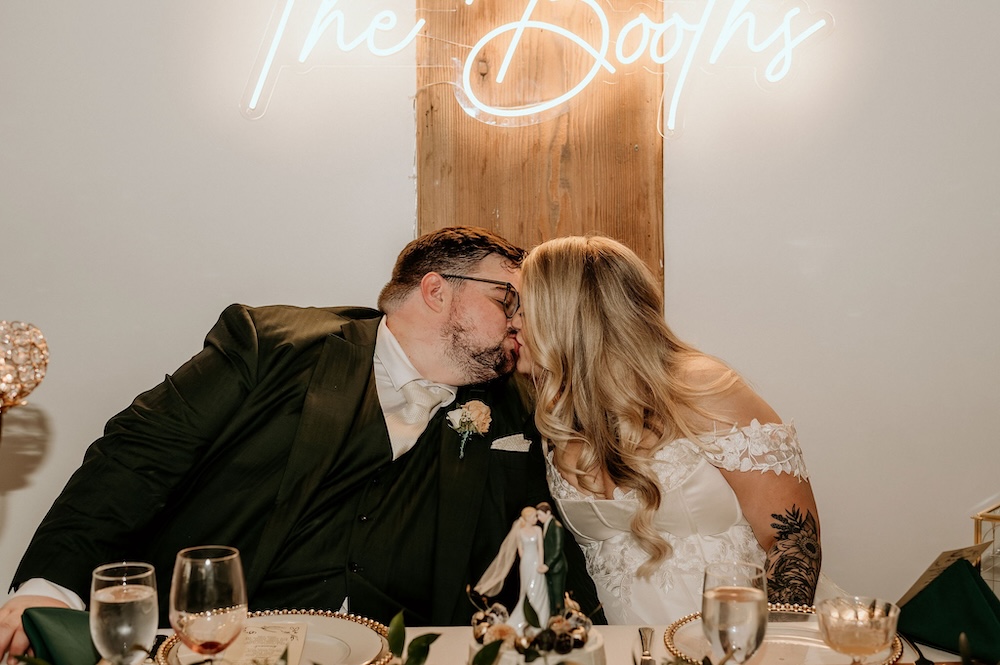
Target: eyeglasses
(511,299)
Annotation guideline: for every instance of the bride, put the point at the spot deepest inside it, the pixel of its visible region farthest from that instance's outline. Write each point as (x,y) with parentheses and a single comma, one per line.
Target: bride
(661,458)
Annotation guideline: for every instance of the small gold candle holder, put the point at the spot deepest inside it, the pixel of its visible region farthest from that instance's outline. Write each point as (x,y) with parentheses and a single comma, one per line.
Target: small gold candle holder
(987,528)
(24,357)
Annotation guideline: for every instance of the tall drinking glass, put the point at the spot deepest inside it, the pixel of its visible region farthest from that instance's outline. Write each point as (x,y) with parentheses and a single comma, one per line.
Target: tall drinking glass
(208,598)
(123,611)
(734,609)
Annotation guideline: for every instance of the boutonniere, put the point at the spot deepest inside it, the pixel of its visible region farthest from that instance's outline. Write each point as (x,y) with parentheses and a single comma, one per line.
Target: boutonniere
(473,417)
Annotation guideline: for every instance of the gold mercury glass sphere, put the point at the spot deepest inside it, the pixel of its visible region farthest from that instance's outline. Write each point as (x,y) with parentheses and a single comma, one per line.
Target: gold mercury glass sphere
(24,355)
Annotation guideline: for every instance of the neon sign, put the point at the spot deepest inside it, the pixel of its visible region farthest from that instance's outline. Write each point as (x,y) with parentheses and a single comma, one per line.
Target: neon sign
(296,32)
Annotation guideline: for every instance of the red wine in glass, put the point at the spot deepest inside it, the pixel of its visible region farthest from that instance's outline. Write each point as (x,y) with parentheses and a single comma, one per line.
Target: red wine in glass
(208,598)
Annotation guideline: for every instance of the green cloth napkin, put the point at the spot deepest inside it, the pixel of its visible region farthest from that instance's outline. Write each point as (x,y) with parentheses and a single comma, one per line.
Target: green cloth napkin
(956,601)
(60,636)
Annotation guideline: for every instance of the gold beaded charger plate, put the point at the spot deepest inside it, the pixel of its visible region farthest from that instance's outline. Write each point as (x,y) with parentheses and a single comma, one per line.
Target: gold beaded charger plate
(332,638)
(792,638)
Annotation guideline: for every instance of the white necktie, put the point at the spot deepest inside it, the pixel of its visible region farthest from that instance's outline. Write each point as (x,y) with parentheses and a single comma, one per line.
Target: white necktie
(408,422)
(420,400)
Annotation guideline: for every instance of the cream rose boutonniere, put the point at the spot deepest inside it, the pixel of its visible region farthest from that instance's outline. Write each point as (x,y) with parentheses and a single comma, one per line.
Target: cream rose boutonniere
(473,417)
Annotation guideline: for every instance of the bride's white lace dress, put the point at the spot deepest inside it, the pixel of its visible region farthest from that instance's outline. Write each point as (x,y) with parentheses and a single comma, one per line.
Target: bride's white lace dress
(699,516)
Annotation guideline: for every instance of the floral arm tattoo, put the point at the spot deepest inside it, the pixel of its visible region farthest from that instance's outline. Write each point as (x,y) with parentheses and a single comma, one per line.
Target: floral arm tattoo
(794,560)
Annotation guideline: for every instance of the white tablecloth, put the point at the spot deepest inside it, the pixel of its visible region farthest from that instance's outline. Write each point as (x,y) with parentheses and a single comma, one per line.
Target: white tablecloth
(621,644)
(452,648)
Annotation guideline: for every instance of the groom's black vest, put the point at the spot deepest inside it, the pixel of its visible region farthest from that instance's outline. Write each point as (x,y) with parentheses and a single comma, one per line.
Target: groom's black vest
(369,533)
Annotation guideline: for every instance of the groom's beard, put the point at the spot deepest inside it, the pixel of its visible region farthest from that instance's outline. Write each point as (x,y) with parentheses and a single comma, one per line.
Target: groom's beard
(479,361)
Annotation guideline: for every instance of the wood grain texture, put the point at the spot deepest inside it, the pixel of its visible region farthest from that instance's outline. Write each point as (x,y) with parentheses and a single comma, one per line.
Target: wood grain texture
(593,164)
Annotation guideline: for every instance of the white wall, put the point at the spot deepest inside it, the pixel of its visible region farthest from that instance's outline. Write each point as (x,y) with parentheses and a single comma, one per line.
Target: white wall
(833,236)
(136,202)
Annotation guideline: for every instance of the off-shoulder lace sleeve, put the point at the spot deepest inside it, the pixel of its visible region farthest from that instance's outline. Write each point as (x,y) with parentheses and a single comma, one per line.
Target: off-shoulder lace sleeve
(756,447)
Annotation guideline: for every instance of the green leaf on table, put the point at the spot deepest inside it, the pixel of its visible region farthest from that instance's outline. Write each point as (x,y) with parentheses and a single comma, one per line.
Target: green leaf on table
(530,614)
(488,654)
(420,647)
(397,635)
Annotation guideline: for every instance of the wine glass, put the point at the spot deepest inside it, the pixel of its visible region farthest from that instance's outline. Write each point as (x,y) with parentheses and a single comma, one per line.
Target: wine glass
(858,626)
(734,609)
(208,598)
(123,611)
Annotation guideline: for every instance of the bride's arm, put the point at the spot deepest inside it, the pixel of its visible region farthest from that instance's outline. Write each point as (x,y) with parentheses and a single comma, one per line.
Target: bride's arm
(782,511)
(775,496)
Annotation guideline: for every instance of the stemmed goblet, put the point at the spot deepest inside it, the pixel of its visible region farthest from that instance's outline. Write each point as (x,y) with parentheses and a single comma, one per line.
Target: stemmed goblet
(123,611)
(208,598)
(734,609)
(857,626)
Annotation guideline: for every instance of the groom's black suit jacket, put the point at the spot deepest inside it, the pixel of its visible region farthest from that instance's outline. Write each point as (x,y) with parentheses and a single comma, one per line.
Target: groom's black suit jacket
(234,448)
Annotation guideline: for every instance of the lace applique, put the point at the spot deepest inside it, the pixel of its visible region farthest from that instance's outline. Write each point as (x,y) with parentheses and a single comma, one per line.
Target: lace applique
(770,447)
(559,487)
(613,562)
(756,447)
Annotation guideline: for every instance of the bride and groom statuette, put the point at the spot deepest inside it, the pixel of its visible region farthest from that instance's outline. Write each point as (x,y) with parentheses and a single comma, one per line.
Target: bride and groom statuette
(545,619)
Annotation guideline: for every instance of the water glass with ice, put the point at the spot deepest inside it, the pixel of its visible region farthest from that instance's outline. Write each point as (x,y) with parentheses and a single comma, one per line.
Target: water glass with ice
(123,611)
(734,609)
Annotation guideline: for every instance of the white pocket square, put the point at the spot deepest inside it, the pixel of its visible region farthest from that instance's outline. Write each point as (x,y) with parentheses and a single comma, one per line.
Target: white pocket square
(515,443)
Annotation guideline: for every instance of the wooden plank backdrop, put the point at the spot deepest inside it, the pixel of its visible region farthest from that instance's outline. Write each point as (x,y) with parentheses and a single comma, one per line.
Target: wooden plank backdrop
(593,164)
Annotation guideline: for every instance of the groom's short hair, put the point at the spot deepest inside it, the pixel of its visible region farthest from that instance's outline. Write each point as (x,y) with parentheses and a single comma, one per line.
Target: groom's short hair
(456,249)
(544,507)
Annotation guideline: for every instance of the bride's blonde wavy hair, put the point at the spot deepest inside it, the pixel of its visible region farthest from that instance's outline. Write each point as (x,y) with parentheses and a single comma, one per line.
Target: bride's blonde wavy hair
(608,371)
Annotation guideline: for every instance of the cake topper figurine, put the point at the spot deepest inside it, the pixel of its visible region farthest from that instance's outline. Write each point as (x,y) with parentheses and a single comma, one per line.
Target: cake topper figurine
(545,618)
(524,539)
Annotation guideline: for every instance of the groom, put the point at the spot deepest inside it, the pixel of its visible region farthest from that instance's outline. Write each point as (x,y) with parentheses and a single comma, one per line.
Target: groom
(305,437)
(553,542)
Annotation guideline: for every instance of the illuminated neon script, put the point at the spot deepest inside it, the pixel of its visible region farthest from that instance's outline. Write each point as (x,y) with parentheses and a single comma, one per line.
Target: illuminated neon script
(711,30)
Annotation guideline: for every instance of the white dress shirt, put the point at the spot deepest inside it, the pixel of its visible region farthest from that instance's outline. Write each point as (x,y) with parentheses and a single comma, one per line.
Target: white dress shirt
(393,370)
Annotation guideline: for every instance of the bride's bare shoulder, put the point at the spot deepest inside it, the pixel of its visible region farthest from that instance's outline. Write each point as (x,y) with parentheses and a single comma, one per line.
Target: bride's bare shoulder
(724,393)
(702,372)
